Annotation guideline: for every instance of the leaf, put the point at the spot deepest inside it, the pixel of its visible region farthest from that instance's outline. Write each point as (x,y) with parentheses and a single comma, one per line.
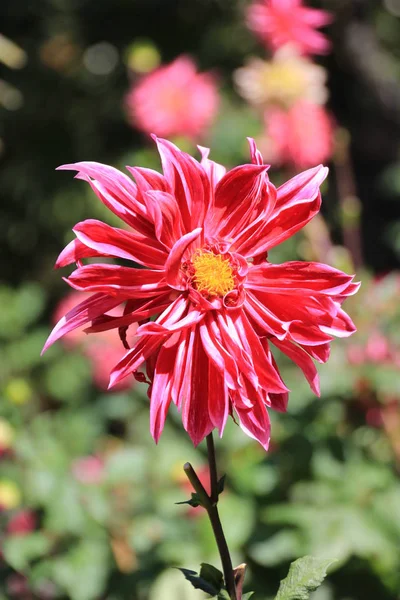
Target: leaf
(221,485)
(20,550)
(194,501)
(305,575)
(199,583)
(247,596)
(212,575)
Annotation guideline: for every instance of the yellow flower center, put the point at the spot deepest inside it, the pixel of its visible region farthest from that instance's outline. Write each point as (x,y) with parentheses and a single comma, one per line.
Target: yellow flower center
(213,274)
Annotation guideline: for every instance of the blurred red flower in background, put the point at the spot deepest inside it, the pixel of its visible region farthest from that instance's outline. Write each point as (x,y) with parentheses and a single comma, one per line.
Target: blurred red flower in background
(174,100)
(279,22)
(301,136)
(203,235)
(88,469)
(22,522)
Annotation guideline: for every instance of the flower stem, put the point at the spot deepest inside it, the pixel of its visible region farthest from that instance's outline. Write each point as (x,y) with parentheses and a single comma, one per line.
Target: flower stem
(210,504)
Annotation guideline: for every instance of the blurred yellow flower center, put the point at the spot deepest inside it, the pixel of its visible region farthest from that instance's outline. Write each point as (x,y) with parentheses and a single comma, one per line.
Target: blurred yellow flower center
(283,81)
(212,273)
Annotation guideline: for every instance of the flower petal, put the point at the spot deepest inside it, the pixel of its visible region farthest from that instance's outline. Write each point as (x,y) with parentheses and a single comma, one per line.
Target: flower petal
(255,423)
(188,181)
(302,359)
(237,196)
(142,350)
(195,414)
(173,270)
(298,201)
(115,189)
(116,281)
(119,243)
(85,311)
(298,277)
(74,252)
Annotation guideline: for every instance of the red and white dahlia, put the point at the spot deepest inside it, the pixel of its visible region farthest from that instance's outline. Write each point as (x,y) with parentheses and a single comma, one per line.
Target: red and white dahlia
(208,303)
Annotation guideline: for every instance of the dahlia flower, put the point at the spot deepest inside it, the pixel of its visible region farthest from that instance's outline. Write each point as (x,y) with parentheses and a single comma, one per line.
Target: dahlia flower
(209,305)
(301,136)
(280,22)
(282,81)
(174,100)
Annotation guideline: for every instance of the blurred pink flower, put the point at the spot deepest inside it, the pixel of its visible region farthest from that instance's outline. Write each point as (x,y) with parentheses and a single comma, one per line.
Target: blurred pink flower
(88,469)
(174,100)
(102,350)
(355,354)
(378,348)
(21,523)
(301,136)
(279,22)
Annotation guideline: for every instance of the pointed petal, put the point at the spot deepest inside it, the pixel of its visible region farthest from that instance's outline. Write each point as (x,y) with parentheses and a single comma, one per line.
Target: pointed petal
(118,281)
(188,181)
(302,359)
(174,275)
(110,241)
(115,189)
(298,277)
(298,201)
(195,415)
(237,195)
(83,313)
(135,357)
(255,423)
(74,252)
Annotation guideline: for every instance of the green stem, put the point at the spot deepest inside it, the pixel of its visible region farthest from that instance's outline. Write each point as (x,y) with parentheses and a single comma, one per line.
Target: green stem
(210,504)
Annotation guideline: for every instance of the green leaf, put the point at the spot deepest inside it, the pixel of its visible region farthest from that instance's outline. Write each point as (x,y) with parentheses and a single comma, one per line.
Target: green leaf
(247,596)
(199,582)
(212,575)
(221,485)
(20,550)
(305,575)
(194,501)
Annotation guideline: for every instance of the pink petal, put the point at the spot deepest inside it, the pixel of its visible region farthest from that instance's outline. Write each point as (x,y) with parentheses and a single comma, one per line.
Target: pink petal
(164,212)
(143,309)
(237,195)
(217,353)
(162,386)
(115,189)
(255,423)
(298,201)
(111,241)
(298,276)
(218,398)
(74,252)
(116,280)
(189,183)
(215,171)
(135,357)
(174,322)
(266,320)
(173,271)
(84,312)
(268,376)
(302,359)
(195,415)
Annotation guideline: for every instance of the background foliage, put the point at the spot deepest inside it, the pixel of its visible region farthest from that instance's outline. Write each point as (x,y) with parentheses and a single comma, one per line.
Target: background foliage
(87,500)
